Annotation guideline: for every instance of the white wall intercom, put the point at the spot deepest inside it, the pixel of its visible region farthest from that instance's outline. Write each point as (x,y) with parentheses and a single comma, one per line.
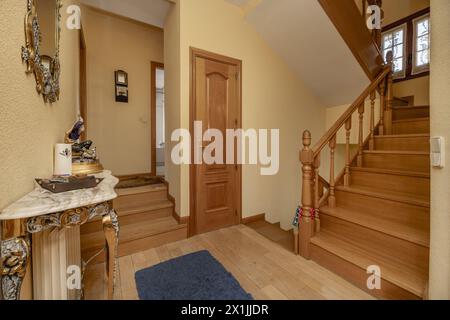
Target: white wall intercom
(437,152)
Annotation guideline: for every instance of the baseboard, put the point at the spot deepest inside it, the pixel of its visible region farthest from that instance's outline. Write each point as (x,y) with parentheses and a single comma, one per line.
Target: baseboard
(251,219)
(180,220)
(128,176)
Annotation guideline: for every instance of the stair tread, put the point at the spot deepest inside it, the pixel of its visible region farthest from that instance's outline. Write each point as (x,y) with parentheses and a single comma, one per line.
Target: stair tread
(393,172)
(154,205)
(133,232)
(139,190)
(409,107)
(424,153)
(401,274)
(399,196)
(411,135)
(412,120)
(398,229)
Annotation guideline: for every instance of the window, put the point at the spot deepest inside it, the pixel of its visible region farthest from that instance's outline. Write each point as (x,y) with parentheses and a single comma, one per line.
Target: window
(421,59)
(394,40)
(409,41)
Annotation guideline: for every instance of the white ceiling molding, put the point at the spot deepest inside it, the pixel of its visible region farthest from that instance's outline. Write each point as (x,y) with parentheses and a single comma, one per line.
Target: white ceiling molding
(153,12)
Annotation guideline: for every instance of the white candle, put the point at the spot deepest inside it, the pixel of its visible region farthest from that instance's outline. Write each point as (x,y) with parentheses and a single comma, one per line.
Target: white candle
(63,160)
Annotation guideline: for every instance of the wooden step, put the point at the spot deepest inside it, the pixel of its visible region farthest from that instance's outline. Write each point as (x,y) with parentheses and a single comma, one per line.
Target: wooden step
(410,112)
(407,226)
(405,251)
(397,160)
(407,142)
(154,210)
(411,126)
(350,260)
(141,196)
(412,183)
(136,237)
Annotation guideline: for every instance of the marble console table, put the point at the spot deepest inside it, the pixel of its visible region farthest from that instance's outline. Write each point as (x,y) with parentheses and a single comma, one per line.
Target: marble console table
(42,210)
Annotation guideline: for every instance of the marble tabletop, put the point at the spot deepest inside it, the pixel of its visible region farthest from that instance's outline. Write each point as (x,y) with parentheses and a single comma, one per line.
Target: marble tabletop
(41,202)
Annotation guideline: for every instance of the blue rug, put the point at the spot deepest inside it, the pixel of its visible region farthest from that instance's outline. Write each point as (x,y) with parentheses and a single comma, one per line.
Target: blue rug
(196,276)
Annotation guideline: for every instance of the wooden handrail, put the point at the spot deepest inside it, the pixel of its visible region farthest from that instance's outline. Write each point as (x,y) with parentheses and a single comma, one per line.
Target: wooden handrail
(348,114)
(312,182)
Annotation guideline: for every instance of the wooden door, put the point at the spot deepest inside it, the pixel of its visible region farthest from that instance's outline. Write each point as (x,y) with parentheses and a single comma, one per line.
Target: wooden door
(216,101)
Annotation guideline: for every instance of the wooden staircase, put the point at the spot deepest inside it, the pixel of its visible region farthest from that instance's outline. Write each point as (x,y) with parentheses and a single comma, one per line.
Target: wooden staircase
(377,211)
(146,221)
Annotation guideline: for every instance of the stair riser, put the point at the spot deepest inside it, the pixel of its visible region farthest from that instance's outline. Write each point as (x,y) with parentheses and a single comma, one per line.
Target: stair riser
(358,276)
(411,113)
(386,209)
(95,226)
(140,199)
(413,185)
(403,144)
(404,162)
(411,127)
(400,250)
(143,244)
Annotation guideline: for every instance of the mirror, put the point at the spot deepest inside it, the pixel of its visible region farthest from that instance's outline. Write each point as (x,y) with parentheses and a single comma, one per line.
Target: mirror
(41,50)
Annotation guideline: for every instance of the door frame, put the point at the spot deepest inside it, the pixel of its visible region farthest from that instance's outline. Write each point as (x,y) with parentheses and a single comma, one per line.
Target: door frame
(153,66)
(194,54)
(83,82)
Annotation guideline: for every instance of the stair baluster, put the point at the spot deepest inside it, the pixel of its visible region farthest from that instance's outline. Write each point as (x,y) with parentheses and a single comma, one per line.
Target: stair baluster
(382,107)
(348,128)
(317,193)
(332,197)
(361,134)
(373,96)
(390,94)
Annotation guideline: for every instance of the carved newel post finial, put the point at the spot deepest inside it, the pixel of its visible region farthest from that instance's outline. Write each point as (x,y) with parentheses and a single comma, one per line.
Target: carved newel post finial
(306,139)
(306,223)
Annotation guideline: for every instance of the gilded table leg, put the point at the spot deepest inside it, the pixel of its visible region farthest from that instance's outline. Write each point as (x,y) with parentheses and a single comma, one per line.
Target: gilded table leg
(14,254)
(111,230)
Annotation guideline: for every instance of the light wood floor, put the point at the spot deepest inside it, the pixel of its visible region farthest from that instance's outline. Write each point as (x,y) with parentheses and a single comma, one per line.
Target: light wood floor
(262,267)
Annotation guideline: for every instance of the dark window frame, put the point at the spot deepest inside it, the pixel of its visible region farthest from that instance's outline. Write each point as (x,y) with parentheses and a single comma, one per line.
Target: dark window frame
(410,50)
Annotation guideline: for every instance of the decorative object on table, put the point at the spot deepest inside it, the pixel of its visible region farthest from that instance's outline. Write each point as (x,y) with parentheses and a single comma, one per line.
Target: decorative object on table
(84,156)
(69,183)
(121,78)
(196,276)
(63,160)
(41,50)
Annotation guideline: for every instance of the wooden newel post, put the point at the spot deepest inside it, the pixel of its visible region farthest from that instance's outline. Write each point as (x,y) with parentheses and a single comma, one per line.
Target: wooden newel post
(306,221)
(389,95)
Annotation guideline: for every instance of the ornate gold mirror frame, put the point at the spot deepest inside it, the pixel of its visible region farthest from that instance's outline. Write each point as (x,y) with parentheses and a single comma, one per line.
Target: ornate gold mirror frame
(47,78)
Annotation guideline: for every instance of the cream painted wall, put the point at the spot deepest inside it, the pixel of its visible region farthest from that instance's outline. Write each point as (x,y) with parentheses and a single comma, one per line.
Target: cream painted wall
(172,88)
(29,128)
(419,88)
(272,98)
(440,126)
(121,131)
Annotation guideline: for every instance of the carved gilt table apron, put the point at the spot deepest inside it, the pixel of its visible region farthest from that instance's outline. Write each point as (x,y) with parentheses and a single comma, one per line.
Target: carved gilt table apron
(15,244)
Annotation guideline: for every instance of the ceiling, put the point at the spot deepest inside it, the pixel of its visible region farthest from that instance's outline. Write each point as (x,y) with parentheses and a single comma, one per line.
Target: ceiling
(304,37)
(152,12)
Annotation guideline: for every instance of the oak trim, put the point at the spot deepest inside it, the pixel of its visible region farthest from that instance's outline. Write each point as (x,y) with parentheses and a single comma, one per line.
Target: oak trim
(259,217)
(200,53)
(153,67)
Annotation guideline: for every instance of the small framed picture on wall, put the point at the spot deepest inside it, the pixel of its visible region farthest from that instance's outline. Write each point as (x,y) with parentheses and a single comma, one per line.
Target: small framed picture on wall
(121,78)
(121,94)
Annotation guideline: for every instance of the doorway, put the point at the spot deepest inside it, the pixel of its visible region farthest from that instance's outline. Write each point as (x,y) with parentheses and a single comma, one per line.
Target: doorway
(83,83)
(158,140)
(215,100)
